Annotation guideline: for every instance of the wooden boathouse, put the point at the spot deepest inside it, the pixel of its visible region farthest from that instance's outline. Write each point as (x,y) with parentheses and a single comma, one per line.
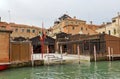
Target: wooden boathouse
(49,44)
(106,46)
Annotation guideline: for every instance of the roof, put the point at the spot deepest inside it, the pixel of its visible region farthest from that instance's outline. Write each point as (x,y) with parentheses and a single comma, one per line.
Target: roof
(48,40)
(19,39)
(63,17)
(62,35)
(93,27)
(74,19)
(22,25)
(116,17)
(8,31)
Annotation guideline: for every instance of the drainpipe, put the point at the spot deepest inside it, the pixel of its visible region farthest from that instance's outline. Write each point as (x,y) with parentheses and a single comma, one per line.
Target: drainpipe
(119,23)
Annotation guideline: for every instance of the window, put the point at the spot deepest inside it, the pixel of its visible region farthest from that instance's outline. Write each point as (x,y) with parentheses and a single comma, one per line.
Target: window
(22,30)
(113,21)
(114,31)
(33,31)
(73,28)
(16,30)
(28,30)
(109,32)
(81,28)
(3,27)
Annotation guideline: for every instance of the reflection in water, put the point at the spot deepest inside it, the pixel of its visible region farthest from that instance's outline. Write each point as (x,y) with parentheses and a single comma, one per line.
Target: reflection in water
(98,70)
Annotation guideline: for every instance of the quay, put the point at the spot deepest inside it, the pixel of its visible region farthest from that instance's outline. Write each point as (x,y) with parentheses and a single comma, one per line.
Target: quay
(55,58)
(50,59)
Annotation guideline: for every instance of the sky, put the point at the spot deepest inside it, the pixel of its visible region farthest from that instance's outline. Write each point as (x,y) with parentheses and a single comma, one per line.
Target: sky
(34,12)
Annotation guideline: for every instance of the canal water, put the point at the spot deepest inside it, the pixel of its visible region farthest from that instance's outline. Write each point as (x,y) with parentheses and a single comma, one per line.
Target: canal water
(98,70)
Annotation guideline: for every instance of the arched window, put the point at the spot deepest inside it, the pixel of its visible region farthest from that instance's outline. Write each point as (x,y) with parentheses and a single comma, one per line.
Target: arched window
(81,28)
(114,31)
(109,32)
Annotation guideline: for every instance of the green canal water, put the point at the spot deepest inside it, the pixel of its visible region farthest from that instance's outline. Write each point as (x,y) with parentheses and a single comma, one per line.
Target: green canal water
(98,70)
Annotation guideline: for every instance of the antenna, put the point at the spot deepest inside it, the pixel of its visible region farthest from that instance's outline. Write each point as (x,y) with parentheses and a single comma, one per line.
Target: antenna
(9,15)
(66,12)
(118,17)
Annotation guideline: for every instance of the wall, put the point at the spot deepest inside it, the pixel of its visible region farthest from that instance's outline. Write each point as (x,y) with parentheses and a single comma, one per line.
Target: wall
(113,42)
(4,46)
(20,51)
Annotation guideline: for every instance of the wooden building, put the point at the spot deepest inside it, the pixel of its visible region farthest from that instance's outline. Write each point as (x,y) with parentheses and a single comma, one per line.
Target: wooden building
(62,37)
(84,44)
(48,43)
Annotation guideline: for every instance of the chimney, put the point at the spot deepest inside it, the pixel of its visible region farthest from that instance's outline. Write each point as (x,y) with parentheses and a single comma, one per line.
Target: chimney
(103,23)
(91,22)
(74,17)
(0,19)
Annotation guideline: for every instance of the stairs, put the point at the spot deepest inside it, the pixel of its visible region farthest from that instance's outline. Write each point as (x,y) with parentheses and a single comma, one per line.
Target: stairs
(53,58)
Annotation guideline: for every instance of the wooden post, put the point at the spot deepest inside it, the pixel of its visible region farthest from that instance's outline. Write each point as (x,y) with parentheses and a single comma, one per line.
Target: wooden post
(61,53)
(95,53)
(32,55)
(112,53)
(109,53)
(57,47)
(42,48)
(48,53)
(78,49)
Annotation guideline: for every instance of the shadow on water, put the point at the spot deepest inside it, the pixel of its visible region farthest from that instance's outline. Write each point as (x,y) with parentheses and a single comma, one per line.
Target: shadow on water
(93,70)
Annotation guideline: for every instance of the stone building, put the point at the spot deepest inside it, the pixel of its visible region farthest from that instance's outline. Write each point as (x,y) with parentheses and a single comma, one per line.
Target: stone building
(111,28)
(72,26)
(25,31)
(20,30)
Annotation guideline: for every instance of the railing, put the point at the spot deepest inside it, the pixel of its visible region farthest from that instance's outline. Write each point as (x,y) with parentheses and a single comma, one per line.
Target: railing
(53,58)
(36,57)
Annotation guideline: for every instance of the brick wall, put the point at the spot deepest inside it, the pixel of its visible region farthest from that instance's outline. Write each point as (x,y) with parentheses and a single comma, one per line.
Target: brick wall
(114,43)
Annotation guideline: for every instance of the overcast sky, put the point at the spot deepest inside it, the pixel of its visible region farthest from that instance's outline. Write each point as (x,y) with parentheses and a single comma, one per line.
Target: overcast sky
(33,12)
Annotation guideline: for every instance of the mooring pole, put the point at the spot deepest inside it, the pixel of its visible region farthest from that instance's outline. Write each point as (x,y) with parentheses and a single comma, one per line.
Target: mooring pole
(32,55)
(61,53)
(78,49)
(112,53)
(48,53)
(109,53)
(95,53)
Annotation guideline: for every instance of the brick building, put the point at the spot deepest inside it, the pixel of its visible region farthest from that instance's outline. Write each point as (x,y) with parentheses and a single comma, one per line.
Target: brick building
(4,46)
